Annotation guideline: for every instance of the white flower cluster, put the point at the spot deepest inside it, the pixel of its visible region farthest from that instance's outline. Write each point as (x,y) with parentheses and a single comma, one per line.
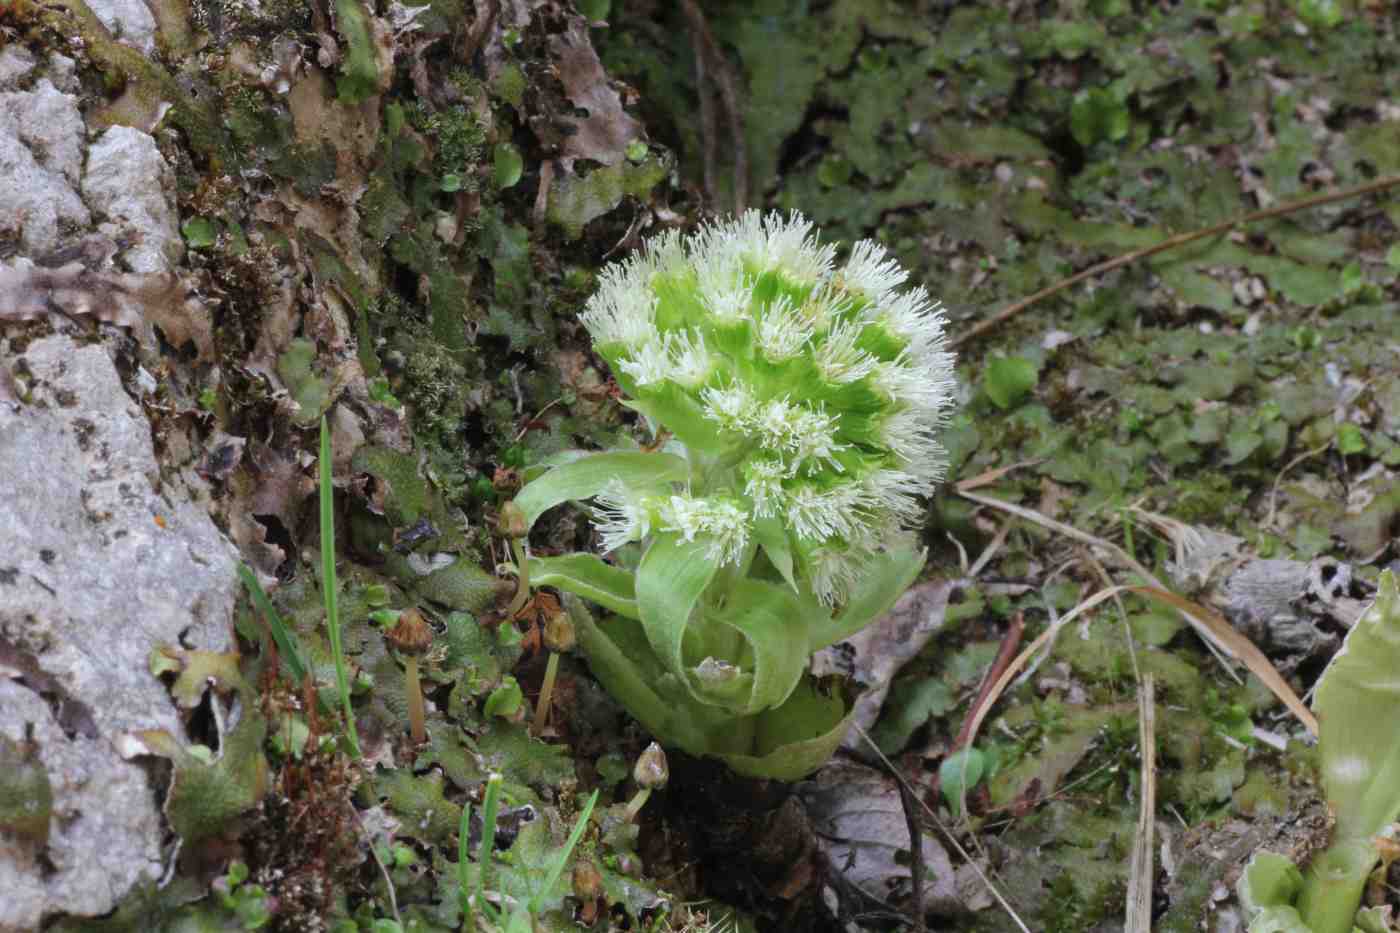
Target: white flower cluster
(818,390)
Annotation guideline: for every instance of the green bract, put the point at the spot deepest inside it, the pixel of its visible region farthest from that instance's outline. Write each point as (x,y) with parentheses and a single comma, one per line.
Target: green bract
(1359,744)
(796,406)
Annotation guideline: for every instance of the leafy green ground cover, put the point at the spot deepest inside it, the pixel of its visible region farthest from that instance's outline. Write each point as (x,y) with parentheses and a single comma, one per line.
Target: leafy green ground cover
(401,243)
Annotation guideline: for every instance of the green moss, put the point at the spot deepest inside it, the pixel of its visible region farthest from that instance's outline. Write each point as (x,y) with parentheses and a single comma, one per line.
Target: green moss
(458,138)
(574,200)
(26,797)
(359,78)
(509,85)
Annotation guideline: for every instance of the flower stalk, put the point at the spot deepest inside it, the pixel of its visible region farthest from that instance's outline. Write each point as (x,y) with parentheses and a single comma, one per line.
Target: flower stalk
(412,637)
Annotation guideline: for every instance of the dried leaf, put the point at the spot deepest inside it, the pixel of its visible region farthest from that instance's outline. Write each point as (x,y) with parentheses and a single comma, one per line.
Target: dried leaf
(603,135)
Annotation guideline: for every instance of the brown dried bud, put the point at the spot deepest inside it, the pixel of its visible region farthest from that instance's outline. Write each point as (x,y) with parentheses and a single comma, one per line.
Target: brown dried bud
(588,881)
(412,635)
(651,771)
(511,522)
(559,632)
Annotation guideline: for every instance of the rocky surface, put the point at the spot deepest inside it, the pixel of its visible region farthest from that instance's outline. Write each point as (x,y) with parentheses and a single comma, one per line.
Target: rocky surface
(101,565)
(41,158)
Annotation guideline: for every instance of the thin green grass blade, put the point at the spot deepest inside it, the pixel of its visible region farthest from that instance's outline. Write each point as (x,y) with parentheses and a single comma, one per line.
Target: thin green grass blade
(490,806)
(558,869)
(286,641)
(330,588)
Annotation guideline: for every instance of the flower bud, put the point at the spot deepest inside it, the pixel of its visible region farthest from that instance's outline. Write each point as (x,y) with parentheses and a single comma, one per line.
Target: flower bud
(651,771)
(511,521)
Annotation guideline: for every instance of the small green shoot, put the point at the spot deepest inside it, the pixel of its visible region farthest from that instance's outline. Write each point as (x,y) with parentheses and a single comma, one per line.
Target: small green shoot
(520,919)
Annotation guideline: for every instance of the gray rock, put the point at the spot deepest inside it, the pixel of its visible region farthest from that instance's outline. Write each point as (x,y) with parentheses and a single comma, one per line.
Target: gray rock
(128,20)
(15,62)
(63,72)
(98,565)
(41,159)
(129,181)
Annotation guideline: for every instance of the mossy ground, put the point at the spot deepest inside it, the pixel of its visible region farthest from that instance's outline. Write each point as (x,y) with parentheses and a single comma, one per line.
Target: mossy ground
(364,255)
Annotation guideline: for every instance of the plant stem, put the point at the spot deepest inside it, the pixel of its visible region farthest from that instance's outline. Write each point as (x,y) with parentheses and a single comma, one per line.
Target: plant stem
(551,671)
(1334,883)
(415,700)
(634,806)
(522,565)
(1181,239)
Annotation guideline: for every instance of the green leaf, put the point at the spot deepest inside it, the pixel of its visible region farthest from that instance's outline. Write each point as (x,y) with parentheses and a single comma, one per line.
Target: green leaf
(594,10)
(590,475)
(772,620)
(1097,115)
(1360,747)
(508,165)
(884,582)
(772,536)
(1269,880)
(958,774)
(1350,440)
(505,700)
(909,705)
(670,579)
(588,576)
(620,656)
(797,738)
(1009,380)
(286,640)
(199,232)
(1319,14)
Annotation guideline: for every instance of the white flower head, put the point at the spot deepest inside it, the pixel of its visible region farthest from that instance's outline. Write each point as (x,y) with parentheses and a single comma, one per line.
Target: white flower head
(871,271)
(763,484)
(910,435)
(650,362)
(838,358)
(787,244)
(724,524)
(817,514)
(623,310)
(814,437)
(691,363)
(916,318)
(782,331)
(620,516)
(732,407)
(833,570)
(927,389)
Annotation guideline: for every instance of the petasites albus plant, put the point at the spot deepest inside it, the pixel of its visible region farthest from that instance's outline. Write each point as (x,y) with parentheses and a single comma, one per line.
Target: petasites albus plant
(795,406)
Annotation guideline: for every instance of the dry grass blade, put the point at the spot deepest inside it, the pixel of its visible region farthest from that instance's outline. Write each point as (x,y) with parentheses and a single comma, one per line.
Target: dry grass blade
(1140,869)
(987,477)
(1211,626)
(1016,666)
(1237,646)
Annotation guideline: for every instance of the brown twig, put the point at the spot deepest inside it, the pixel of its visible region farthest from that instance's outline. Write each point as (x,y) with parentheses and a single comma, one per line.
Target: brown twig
(711,63)
(1181,239)
(709,138)
(910,804)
